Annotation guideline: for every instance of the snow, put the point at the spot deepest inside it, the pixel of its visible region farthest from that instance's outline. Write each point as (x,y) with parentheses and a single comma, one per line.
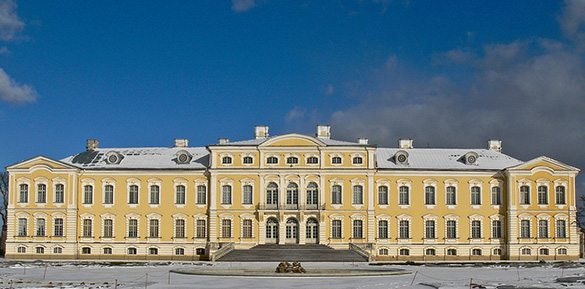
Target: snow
(134,275)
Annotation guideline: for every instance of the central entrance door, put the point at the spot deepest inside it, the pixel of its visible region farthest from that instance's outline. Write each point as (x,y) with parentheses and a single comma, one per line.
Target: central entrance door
(272,231)
(312,231)
(292,231)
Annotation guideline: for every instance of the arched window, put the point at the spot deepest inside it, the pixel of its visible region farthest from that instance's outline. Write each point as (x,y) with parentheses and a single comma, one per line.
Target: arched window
(272,160)
(248,160)
(312,160)
(272,228)
(430,252)
(451,252)
(476,252)
(312,194)
(404,252)
(292,194)
(292,229)
(226,160)
(272,194)
(336,160)
(292,160)
(358,161)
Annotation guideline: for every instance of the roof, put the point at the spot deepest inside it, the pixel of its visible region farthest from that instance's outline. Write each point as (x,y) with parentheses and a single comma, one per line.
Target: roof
(140,158)
(444,159)
(259,141)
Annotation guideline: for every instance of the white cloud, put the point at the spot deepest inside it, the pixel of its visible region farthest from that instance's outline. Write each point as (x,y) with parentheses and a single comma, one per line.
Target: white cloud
(243,5)
(13,92)
(572,21)
(296,113)
(530,94)
(4,50)
(10,24)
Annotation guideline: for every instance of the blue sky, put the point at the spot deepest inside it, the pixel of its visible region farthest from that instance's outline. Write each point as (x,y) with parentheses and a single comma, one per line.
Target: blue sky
(141,73)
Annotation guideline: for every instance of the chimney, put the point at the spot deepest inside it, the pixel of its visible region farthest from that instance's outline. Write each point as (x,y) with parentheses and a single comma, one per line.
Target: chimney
(363,141)
(261,131)
(92,144)
(223,140)
(405,143)
(324,131)
(181,142)
(495,145)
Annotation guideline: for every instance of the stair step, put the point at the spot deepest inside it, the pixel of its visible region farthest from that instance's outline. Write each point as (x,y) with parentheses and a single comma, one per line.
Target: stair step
(293,252)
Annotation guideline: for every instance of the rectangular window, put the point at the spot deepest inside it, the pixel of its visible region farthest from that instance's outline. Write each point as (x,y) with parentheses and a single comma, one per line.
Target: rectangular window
(59,193)
(383,195)
(383,229)
(524,195)
(430,196)
(475,195)
(179,228)
(132,228)
(87,228)
(524,228)
(336,229)
(201,195)
(561,229)
(226,228)
(336,194)
(358,228)
(247,228)
(476,229)
(154,195)
(451,229)
(153,228)
(88,194)
(560,195)
(226,195)
(430,229)
(180,195)
(404,198)
(41,193)
(201,229)
(22,227)
(496,196)
(107,251)
(58,227)
(40,227)
(108,228)
(497,229)
(542,229)
(23,193)
(404,227)
(247,197)
(358,195)
(542,195)
(133,194)
(451,196)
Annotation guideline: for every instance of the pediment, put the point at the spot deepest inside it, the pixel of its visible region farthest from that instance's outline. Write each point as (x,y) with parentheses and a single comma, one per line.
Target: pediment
(292,140)
(545,164)
(40,162)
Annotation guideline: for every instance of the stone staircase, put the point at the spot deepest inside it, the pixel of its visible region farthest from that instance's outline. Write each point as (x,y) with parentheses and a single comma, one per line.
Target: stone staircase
(291,253)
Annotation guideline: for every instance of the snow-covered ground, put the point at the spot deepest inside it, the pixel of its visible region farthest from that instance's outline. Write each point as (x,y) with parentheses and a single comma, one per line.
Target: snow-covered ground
(156,275)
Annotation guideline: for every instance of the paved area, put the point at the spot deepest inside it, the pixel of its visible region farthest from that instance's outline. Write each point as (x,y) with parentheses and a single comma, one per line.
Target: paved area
(291,253)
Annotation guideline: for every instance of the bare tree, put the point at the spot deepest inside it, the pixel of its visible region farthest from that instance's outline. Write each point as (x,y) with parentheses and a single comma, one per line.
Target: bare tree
(3,209)
(4,196)
(581,211)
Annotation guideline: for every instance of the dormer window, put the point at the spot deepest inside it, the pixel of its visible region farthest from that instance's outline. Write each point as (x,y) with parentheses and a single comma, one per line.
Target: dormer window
(358,161)
(470,158)
(272,160)
(336,160)
(248,160)
(113,158)
(183,157)
(226,160)
(312,160)
(292,160)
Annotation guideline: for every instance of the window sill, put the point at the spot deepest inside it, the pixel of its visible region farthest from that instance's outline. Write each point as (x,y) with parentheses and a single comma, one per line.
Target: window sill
(451,207)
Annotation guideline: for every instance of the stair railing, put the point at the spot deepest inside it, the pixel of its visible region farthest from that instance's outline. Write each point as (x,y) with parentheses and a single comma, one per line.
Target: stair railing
(361,251)
(225,248)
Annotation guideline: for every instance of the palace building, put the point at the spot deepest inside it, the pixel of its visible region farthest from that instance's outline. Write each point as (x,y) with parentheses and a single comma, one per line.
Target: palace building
(196,203)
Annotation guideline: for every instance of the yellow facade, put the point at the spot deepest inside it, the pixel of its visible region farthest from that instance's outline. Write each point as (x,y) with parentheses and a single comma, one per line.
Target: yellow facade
(186,203)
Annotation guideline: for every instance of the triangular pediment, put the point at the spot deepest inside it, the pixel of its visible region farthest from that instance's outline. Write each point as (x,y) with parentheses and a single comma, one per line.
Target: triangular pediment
(292,140)
(40,162)
(543,163)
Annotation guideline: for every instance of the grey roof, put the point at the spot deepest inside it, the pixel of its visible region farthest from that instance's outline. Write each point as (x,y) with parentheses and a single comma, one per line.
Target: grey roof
(259,141)
(444,159)
(140,158)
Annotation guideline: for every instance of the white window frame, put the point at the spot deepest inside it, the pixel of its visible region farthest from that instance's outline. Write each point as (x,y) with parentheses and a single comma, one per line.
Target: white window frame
(108,182)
